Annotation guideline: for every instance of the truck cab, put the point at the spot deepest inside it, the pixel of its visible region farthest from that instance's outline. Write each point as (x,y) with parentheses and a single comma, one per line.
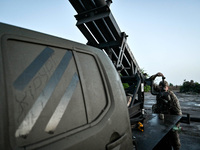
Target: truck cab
(59,94)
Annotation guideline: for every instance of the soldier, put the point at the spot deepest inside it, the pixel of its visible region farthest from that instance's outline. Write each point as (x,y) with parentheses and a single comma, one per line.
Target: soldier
(167,103)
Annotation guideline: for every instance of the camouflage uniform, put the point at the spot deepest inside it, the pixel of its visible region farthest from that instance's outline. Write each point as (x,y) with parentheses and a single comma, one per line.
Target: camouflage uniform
(168,103)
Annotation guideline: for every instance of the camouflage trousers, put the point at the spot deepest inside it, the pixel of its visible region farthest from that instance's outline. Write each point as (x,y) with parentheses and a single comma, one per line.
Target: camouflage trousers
(174,139)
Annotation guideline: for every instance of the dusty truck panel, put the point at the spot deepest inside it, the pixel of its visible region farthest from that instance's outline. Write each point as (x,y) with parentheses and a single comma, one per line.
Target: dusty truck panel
(59,94)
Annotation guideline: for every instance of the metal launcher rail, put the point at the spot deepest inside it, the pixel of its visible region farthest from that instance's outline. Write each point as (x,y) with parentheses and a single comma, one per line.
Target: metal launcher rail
(97,24)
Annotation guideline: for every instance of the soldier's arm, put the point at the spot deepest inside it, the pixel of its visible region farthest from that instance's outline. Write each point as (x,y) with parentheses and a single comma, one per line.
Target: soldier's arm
(175,105)
(152,78)
(159,74)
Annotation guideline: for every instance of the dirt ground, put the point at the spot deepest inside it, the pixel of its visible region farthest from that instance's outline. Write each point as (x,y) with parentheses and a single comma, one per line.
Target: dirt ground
(190,104)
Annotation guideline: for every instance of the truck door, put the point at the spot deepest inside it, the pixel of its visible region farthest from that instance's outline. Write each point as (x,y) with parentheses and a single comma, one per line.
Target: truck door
(57,95)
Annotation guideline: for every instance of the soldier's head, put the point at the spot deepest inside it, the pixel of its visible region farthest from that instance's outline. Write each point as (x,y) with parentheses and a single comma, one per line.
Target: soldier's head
(164,85)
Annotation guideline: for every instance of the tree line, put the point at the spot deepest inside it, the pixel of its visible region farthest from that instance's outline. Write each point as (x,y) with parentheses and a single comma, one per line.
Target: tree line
(190,86)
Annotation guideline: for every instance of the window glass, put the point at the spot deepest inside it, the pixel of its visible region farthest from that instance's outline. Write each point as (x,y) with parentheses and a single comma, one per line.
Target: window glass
(93,86)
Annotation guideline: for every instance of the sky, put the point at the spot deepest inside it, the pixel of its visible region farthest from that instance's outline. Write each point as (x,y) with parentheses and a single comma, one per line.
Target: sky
(163,35)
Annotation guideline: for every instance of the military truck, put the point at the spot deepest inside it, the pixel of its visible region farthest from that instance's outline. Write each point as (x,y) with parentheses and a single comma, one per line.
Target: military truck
(60,94)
